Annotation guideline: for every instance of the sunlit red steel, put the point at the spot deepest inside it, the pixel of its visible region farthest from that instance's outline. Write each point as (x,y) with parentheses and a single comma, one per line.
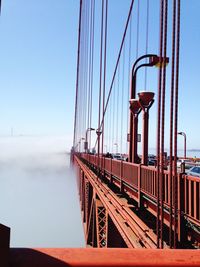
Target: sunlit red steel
(63,257)
(139,183)
(111,223)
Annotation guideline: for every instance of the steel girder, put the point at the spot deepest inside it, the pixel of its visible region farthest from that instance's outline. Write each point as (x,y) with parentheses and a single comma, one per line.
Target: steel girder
(108,220)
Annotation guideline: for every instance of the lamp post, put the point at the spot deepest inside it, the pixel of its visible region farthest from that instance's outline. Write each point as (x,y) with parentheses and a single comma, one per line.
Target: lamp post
(82,138)
(146,101)
(116,144)
(153,61)
(184,135)
(135,110)
(79,146)
(86,139)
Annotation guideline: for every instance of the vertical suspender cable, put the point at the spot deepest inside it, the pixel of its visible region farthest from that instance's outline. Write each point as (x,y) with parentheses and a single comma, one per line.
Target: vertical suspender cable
(129,70)
(176,121)
(171,121)
(122,101)
(119,55)
(85,111)
(83,78)
(104,74)
(83,74)
(92,70)
(100,78)
(77,74)
(117,109)
(158,127)
(147,42)
(113,129)
(138,29)
(118,58)
(110,125)
(163,120)
(89,65)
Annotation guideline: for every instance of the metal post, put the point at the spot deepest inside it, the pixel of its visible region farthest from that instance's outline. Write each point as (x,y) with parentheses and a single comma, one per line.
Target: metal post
(184,136)
(134,141)
(153,61)
(145,137)
(146,101)
(86,139)
(135,111)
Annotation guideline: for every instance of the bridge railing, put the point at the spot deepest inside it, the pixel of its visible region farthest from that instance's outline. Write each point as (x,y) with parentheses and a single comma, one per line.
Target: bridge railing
(148,180)
(143,179)
(191,187)
(130,173)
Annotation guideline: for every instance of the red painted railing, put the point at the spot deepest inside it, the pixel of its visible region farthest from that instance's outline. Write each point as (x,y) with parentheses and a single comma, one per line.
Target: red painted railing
(192,198)
(143,179)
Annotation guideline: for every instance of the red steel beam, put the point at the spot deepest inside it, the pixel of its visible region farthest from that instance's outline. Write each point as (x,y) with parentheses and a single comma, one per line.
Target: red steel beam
(64,257)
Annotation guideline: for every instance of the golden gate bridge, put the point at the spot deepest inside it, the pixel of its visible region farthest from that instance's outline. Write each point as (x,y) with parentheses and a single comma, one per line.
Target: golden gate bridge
(152,211)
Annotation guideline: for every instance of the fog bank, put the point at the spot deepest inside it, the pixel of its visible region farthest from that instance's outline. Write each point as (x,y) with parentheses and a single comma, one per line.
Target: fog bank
(38,193)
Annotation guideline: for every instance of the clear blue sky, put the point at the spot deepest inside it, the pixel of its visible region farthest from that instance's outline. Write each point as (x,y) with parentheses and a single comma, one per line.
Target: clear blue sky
(38,66)
(38,50)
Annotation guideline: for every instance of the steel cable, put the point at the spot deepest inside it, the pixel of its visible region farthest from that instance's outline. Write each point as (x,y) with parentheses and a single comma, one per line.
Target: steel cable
(158,126)
(176,119)
(171,120)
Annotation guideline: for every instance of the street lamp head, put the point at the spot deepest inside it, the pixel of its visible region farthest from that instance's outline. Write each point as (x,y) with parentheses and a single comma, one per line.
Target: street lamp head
(135,106)
(91,129)
(182,133)
(98,132)
(145,98)
(156,61)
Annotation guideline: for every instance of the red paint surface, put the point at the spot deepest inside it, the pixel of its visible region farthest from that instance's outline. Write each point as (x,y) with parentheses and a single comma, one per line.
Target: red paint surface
(102,257)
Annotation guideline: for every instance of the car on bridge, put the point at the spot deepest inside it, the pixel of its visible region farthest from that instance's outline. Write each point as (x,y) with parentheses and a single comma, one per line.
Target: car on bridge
(117,156)
(188,163)
(194,171)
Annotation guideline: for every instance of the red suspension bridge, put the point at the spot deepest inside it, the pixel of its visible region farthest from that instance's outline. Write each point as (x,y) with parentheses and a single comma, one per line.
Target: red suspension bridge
(125,202)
